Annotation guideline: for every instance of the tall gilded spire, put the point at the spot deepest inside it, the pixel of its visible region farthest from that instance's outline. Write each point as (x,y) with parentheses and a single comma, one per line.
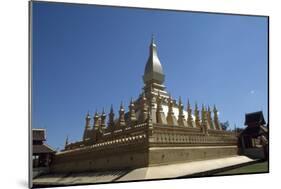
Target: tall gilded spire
(96,120)
(144,108)
(87,129)
(209,118)
(159,103)
(197,118)
(121,115)
(181,118)
(152,39)
(203,115)
(103,117)
(189,116)
(204,123)
(88,119)
(216,118)
(111,117)
(153,69)
(66,142)
(171,119)
(160,116)
(132,113)
(149,120)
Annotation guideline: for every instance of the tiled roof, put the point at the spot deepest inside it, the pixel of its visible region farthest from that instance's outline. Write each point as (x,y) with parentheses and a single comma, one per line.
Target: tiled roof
(255,117)
(39,149)
(38,134)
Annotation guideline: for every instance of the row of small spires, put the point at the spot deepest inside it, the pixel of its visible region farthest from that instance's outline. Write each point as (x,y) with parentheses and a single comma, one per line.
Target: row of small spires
(145,115)
(122,109)
(144,106)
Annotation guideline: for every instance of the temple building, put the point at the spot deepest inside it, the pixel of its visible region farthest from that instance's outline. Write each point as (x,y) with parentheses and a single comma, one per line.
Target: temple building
(156,129)
(42,153)
(253,139)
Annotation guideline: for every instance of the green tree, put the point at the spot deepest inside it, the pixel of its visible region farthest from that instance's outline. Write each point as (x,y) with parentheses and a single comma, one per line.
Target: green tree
(225,125)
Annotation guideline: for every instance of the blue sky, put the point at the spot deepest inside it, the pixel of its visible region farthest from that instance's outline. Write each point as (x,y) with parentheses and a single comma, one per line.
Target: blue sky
(87,57)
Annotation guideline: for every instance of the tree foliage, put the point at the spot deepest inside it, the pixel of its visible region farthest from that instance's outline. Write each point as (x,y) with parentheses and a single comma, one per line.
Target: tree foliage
(225,125)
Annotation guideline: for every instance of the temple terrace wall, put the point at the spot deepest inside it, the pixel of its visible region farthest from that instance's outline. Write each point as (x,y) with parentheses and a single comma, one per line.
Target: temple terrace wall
(126,153)
(166,155)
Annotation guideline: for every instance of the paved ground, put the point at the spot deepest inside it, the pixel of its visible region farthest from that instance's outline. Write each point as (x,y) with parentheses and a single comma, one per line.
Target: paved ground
(155,172)
(78,178)
(183,169)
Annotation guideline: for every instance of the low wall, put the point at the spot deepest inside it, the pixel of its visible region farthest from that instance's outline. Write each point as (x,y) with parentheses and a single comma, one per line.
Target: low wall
(136,156)
(166,155)
(115,157)
(163,145)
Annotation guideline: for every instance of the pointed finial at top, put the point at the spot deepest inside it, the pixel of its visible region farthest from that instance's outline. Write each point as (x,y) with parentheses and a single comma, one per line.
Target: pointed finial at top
(188,104)
(96,113)
(215,109)
(66,141)
(121,105)
(152,39)
(203,108)
(88,114)
(153,71)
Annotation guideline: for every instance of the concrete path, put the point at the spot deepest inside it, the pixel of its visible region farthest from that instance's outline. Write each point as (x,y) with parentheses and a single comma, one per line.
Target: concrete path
(155,172)
(183,169)
(78,178)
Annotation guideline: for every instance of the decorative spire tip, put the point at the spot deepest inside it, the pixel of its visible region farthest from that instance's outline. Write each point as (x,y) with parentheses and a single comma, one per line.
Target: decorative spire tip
(152,39)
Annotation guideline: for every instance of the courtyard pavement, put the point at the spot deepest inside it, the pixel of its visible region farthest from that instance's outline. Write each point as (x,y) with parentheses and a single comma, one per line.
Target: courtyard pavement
(146,173)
